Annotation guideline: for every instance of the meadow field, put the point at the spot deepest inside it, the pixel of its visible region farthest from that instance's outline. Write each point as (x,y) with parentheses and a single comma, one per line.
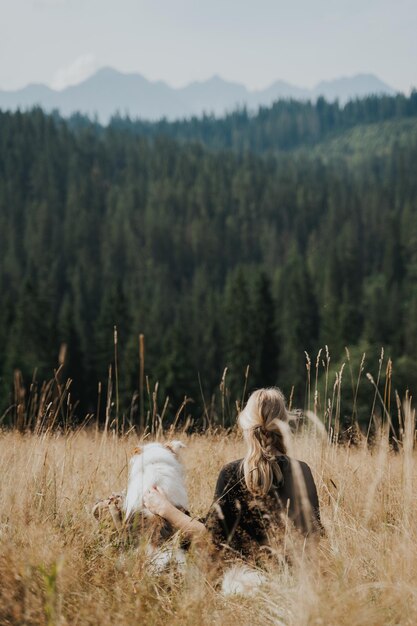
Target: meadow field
(58,566)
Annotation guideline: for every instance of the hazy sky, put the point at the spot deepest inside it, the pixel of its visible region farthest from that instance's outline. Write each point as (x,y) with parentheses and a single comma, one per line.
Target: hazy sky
(61,42)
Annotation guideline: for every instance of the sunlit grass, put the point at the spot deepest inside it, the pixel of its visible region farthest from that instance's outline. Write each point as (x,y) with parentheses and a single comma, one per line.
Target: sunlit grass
(57,566)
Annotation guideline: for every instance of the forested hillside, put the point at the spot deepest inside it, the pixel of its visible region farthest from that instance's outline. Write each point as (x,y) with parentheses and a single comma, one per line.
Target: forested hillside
(286,125)
(247,254)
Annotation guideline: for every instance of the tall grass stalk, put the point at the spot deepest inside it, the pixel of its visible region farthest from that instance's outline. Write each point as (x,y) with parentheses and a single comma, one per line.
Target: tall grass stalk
(240,405)
(408,442)
(355,398)
(223,391)
(98,405)
(116,375)
(308,381)
(316,407)
(206,414)
(141,382)
(108,399)
(372,415)
(326,367)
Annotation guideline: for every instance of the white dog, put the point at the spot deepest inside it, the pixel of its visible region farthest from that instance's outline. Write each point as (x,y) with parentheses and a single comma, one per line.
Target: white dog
(155,465)
(152,465)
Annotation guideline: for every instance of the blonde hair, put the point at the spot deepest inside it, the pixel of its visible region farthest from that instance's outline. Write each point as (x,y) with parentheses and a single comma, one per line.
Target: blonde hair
(262,422)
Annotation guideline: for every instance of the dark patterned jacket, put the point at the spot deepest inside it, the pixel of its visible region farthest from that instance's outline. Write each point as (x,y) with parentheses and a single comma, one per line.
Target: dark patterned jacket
(239,520)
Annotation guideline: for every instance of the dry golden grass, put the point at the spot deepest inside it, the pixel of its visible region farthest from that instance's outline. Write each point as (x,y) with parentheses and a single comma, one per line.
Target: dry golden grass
(58,567)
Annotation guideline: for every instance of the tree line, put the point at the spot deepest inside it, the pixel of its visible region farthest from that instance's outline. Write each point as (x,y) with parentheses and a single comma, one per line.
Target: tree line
(286,125)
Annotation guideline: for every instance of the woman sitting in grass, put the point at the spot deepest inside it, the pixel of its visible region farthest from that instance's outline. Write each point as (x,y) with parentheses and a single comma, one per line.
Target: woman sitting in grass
(256,497)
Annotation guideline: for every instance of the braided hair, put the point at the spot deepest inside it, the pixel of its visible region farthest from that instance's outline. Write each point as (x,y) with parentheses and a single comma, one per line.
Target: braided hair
(263,422)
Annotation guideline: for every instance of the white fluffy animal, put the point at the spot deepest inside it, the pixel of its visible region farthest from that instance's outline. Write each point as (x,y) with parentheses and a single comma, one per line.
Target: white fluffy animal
(155,464)
(151,465)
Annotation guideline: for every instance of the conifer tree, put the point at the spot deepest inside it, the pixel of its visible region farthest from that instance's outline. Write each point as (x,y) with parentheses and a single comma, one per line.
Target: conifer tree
(265,363)
(238,329)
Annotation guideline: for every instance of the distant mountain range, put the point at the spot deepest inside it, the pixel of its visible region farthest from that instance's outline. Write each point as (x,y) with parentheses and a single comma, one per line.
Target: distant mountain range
(109,91)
